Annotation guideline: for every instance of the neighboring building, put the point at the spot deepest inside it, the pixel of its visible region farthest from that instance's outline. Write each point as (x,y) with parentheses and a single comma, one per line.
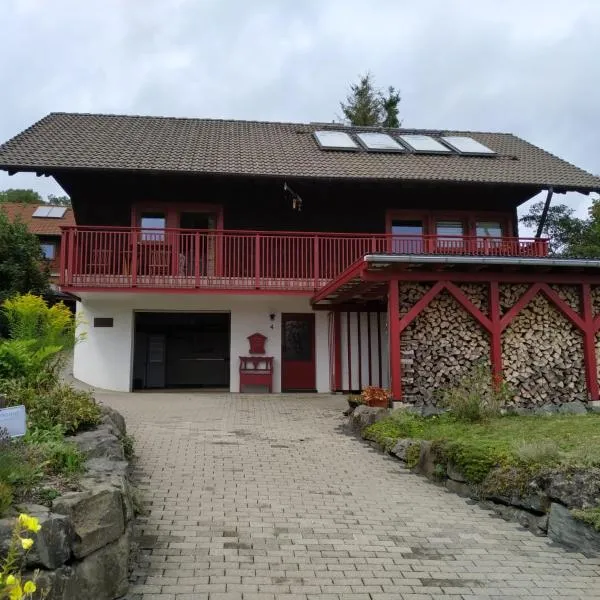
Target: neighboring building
(365,256)
(45,221)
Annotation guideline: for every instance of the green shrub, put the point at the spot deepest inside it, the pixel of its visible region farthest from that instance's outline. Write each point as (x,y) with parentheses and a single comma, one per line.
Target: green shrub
(413,453)
(128,442)
(22,359)
(63,458)
(474,398)
(590,516)
(542,452)
(6,497)
(62,405)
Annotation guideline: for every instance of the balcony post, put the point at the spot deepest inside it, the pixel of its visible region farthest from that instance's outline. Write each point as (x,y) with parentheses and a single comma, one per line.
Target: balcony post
(197,259)
(316,260)
(71,251)
(257,261)
(134,257)
(63,253)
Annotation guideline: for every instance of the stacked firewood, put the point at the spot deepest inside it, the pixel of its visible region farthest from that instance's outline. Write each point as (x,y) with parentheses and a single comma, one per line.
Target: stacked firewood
(542,355)
(446,342)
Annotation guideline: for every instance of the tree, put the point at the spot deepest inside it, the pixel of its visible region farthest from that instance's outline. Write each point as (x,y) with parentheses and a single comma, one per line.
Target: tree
(22,268)
(568,235)
(22,196)
(59,200)
(368,106)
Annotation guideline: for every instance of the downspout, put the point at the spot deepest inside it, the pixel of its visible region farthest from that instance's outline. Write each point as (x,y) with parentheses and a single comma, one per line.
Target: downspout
(544,216)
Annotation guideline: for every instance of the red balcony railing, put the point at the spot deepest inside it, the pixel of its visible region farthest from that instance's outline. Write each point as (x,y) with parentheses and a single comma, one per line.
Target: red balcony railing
(94,257)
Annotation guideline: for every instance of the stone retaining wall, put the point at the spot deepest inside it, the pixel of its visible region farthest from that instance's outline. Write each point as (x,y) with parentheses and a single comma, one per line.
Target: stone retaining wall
(82,549)
(544,509)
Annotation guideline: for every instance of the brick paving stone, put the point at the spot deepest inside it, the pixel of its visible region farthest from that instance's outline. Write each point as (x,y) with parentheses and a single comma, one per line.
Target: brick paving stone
(266,498)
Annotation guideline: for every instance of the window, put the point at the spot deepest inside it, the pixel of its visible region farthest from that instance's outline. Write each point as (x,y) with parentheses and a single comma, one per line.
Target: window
(408,236)
(153,226)
(491,229)
(450,235)
(48,250)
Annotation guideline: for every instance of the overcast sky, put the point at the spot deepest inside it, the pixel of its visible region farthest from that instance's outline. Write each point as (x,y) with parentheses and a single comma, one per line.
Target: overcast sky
(528,67)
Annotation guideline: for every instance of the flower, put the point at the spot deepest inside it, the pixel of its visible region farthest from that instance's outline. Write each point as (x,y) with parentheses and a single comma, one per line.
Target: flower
(30,523)
(29,587)
(26,543)
(11,580)
(16,593)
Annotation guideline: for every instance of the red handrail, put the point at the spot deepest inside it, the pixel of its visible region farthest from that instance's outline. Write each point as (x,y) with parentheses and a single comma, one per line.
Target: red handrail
(222,259)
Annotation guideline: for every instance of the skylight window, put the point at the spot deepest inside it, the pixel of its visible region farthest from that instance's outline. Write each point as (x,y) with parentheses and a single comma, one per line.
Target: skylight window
(379,142)
(49,212)
(467,145)
(335,140)
(425,144)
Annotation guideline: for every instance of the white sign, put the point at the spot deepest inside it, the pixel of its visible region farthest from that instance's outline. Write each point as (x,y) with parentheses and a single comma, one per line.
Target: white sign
(14,420)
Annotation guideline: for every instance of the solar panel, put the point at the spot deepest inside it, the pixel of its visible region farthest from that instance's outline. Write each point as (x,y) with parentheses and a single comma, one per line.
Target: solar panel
(50,212)
(41,211)
(57,212)
(425,144)
(335,140)
(467,145)
(379,142)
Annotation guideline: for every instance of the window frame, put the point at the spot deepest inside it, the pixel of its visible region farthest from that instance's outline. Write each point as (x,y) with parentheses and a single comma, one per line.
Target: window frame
(52,245)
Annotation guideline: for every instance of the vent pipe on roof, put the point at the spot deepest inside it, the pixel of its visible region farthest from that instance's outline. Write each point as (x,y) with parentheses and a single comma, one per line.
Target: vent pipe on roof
(544,216)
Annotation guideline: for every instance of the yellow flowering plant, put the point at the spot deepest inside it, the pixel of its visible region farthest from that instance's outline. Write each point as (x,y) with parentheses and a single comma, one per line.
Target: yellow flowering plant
(12,586)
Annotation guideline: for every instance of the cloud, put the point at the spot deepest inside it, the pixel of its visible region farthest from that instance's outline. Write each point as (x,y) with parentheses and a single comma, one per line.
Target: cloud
(528,67)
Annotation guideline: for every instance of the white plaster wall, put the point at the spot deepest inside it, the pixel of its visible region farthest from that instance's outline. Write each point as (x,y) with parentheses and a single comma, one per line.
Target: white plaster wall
(104,358)
(359,361)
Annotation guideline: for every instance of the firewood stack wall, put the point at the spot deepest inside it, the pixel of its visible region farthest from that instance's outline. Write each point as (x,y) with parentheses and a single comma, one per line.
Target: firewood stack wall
(542,352)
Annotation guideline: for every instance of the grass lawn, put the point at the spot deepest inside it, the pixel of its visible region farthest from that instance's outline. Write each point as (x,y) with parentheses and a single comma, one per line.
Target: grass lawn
(510,444)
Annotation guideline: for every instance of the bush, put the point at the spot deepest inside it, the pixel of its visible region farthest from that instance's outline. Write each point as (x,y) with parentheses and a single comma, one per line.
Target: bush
(590,516)
(475,398)
(540,452)
(37,335)
(6,497)
(73,410)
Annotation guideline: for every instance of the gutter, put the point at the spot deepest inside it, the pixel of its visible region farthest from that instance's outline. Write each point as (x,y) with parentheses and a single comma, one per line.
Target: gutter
(480,260)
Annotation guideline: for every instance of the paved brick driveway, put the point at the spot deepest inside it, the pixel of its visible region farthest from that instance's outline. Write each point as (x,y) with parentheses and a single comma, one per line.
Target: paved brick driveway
(252,498)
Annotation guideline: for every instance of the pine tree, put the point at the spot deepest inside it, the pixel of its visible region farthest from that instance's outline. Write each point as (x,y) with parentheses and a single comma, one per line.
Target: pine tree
(368,106)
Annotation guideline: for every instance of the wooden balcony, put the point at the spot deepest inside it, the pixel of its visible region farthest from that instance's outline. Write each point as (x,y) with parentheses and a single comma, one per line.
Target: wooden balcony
(281,262)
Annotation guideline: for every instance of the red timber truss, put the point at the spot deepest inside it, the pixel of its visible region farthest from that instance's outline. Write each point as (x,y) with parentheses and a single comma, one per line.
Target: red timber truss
(492,321)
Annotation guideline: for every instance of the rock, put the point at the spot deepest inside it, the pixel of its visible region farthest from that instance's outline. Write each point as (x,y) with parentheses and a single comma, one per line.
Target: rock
(426,464)
(116,419)
(429,410)
(99,443)
(102,468)
(535,523)
(363,416)
(401,446)
(573,408)
(460,488)
(575,488)
(97,515)
(101,575)
(546,409)
(594,406)
(539,503)
(454,473)
(564,529)
(53,542)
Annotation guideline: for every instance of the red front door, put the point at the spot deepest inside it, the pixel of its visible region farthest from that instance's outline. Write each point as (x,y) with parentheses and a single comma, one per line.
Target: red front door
(298,372)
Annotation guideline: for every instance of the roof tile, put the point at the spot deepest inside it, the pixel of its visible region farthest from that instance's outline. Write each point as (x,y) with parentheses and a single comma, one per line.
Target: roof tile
(163,144)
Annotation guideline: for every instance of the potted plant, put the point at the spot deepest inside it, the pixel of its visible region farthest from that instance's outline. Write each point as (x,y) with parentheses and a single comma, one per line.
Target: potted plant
(376,397)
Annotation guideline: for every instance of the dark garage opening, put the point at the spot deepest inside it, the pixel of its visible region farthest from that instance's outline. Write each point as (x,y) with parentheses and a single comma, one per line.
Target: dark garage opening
(181,350)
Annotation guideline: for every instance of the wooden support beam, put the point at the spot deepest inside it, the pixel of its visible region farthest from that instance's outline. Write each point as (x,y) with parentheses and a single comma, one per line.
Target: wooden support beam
(394,341)
(563,306)
(419,306)
(464,301)
(519,305)
(495,333)
(589,342)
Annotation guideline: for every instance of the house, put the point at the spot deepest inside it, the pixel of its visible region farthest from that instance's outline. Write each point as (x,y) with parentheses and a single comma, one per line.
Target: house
(45,221)
(364,256)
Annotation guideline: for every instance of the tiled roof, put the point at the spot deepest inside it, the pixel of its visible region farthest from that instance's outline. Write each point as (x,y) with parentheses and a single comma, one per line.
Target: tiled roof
(162,144)
(37,225)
